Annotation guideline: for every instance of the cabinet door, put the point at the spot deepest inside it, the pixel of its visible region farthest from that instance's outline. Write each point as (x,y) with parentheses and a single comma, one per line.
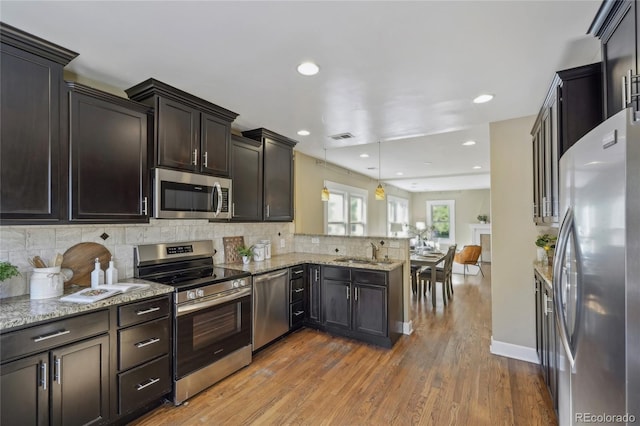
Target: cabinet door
(539,316)
(177,139)
(80,383)
(109,178)
(313,294)
(370,309)
(550,347)
(336,304)
(246,175)
(24,391)
(619,55)
(537,171)
(32,155)
(214,144)
(278,181)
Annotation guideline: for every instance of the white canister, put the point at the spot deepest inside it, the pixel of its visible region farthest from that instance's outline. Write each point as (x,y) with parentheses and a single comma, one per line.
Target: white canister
(267,248)
(46,283)
(258,252)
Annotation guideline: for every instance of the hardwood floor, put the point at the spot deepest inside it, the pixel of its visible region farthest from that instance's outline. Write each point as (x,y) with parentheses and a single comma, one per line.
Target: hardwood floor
(442,374)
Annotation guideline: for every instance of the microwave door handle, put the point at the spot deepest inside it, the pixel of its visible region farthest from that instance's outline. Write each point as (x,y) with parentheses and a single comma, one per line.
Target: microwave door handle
(217,199)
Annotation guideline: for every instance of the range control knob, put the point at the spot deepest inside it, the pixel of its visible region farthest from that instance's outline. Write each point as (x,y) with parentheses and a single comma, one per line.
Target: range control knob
(191,294)
(200,293)
(243,282)
(236,283)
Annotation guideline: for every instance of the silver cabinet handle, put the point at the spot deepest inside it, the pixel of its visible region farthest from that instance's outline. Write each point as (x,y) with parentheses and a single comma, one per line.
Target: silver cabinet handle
(233,209)
(547,310)
(624,91)
(148,311)
(298,313)
(298,290)
(356,290)
(43,371)
(195,157)
(206,158)
(145,206)
(268,213)
(317,274)
(147,342)
(58,372)
(148,383)
(347,288)
(51,336)
(629,84)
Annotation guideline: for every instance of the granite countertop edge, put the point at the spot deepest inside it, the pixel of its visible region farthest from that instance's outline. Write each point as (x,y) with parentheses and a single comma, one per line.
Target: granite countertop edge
(20,311)
(545,271)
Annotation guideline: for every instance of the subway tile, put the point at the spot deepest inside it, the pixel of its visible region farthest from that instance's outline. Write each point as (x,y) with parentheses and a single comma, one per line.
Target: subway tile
(12,238)
(67,237)
(39,238)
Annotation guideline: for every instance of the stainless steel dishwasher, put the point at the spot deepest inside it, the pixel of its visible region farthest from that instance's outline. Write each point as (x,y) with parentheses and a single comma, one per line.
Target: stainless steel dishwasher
(270,307)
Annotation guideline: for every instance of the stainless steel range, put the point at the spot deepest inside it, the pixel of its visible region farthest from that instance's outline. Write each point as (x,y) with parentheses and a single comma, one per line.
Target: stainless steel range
(212,312)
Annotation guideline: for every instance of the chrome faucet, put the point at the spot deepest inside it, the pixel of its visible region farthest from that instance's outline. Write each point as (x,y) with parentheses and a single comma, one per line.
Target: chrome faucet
(374,251)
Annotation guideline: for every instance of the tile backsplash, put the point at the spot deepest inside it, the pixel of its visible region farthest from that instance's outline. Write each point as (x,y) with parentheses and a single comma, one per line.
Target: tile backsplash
(19,243)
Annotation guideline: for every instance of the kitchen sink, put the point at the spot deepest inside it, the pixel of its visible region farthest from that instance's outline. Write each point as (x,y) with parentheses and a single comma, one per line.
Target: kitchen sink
(361,261)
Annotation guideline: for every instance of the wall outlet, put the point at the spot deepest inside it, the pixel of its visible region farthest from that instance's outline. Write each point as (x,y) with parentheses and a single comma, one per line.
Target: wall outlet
(315,240)
(282,243)
(394,244)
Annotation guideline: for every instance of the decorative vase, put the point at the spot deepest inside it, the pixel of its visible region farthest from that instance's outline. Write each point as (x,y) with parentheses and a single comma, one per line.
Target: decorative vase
(246,259)
(549,257)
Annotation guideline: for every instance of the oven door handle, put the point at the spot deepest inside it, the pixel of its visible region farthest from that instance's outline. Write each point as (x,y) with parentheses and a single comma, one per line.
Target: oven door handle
(212,301)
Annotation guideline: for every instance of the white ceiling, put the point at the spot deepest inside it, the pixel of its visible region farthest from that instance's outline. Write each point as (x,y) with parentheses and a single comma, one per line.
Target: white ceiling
(403,73)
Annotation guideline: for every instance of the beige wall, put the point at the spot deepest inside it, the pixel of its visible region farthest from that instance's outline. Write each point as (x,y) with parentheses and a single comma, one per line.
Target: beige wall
(309,208)
(513,233)
(468,205)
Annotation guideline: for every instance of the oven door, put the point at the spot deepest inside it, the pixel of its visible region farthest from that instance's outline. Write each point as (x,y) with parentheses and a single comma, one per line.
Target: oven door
(211,328)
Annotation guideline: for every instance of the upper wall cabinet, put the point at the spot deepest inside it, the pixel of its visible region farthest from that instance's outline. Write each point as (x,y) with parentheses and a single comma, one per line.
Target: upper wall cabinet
(617,25)
(277,174)
(246,175)
(190,133)
(572,107)
(109,178)
(33,157)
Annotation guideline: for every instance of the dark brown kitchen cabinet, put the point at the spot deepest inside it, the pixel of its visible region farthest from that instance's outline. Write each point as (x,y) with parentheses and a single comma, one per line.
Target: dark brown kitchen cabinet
(313,295)
(33,160)
(57,371)
(617,26)
(246,175)
(362,304)
(297,296)
(191,134)
(109,178)
(277,174)
(572,107)
(547,342)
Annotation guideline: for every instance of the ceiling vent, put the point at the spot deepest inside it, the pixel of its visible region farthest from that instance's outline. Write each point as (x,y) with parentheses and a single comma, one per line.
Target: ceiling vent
(341,136)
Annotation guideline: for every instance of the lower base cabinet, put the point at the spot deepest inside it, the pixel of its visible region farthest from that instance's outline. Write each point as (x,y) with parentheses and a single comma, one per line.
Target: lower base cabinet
(362,304)
(547,343)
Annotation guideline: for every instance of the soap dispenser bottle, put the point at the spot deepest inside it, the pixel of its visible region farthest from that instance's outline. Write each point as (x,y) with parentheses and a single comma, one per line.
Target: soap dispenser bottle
(97,276)
(112,273)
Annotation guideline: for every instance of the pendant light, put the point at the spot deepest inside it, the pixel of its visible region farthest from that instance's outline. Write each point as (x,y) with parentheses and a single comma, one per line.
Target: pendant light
(379,189)
(325,192)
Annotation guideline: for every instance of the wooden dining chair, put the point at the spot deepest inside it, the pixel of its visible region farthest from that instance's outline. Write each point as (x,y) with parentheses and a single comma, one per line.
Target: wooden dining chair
(443,275)
(469,255)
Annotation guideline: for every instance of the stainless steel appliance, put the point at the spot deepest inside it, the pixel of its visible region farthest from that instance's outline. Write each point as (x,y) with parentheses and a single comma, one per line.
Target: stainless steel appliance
(212,312)
(185,195)
(270,307)
(597,276)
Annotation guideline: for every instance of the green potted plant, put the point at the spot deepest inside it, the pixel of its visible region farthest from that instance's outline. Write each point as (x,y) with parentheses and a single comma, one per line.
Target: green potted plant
(547,242)
(246,253)
(7,270)
(483,218)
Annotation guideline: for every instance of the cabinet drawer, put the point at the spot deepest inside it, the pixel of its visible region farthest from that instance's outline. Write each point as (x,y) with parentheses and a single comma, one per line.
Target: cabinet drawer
(297,290)
(145,310)
(143,384)
(46,336)
(143,343)
(297,314)
(370,277)
(336,273)
(297,272)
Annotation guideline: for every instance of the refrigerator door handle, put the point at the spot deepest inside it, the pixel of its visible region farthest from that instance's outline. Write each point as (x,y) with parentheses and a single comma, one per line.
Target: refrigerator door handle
(566,230)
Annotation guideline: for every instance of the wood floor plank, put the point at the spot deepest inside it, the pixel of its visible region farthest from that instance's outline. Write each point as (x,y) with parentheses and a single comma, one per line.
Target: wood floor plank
(442,374)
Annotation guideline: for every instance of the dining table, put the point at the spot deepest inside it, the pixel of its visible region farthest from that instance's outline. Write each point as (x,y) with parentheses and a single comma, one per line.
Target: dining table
(430,259)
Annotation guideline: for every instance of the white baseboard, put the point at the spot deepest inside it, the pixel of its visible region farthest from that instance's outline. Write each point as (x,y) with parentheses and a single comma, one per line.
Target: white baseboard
(523,353)
(407,327)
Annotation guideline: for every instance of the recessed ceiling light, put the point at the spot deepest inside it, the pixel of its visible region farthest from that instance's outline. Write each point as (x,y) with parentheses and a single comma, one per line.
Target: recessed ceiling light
(364,155)
(308,68)
(469,143)
(304,132)
(399,173)
(482,99)
(477,167)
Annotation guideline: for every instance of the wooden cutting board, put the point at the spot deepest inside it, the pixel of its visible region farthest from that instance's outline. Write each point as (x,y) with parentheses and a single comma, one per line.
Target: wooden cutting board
(231,245)
(81,258)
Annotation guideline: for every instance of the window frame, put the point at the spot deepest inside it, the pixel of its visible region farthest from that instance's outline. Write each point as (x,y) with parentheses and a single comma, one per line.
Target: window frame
(398,200)
(348,192)
(451,204)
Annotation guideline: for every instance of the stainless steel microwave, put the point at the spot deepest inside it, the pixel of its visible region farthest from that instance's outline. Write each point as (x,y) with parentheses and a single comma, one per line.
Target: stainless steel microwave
(184,195)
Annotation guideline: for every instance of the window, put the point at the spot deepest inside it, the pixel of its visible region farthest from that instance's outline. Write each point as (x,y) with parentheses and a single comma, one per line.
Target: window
(346,210)
(397,216)
(441,214)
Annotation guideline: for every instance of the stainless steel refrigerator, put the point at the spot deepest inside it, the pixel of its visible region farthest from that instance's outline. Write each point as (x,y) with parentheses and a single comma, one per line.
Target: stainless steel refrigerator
(597,276)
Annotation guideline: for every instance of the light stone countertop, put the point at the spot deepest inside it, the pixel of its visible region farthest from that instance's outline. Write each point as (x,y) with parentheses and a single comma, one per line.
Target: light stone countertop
(293,259)
(21,310)
(545,271)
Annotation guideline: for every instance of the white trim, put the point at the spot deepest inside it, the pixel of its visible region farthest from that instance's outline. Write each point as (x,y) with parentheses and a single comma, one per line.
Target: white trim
(407,327)
(509,350)
(452,218)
